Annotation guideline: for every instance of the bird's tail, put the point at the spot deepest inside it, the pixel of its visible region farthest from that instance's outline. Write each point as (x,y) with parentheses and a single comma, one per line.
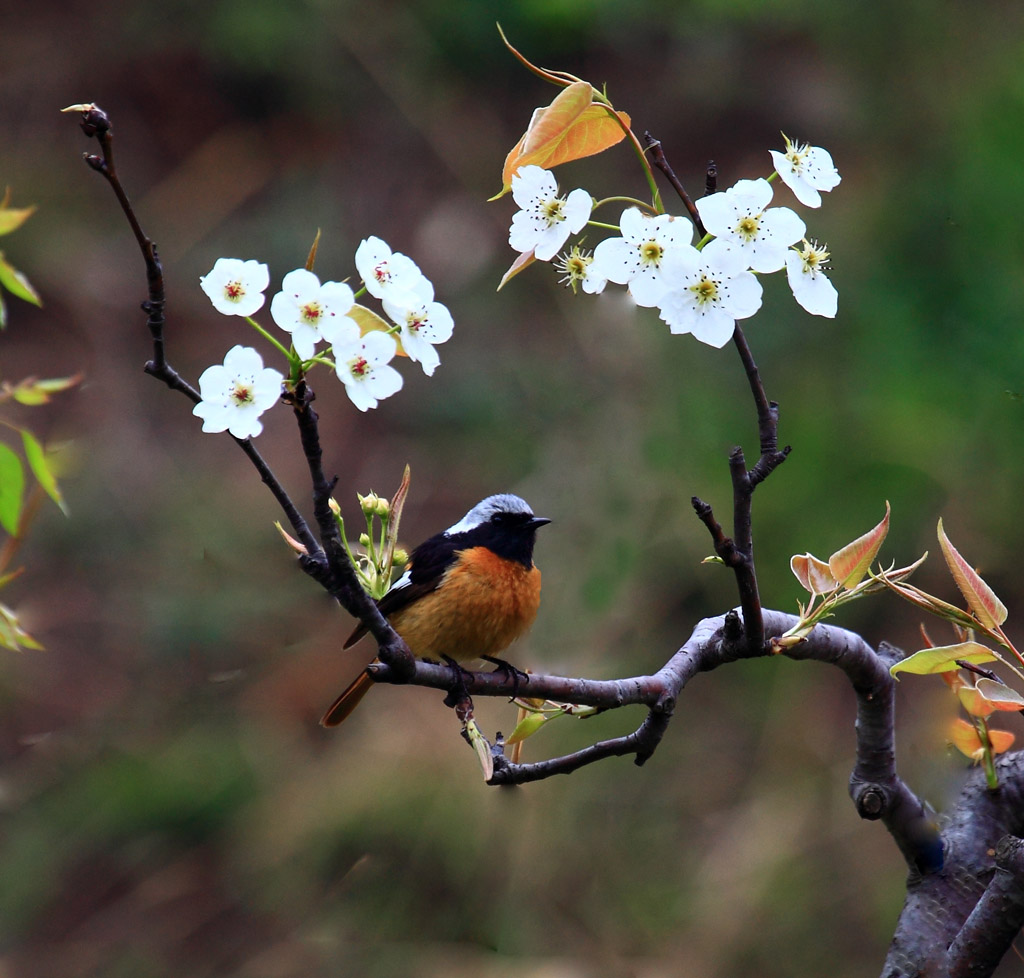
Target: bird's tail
(341,708)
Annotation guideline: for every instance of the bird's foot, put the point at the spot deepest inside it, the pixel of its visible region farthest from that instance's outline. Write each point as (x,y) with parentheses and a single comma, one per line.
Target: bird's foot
(509,671)
(458,693)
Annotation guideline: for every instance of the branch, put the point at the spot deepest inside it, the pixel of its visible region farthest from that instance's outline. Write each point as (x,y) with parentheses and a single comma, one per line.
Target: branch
(877,791)
(658,156)
(95,123)
(996,918)
(337,575)
(328,564)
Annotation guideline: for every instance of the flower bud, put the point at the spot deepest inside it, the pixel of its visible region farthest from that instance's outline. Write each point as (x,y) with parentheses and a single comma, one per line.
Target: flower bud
(364,539)
(368,503)
(400,557)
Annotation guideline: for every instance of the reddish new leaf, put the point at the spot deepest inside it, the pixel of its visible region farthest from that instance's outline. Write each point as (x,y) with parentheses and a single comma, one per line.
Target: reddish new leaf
(813,574)
(849,565)
(980,598)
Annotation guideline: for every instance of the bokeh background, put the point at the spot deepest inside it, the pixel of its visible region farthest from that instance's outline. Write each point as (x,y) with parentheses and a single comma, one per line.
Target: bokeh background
(169,804)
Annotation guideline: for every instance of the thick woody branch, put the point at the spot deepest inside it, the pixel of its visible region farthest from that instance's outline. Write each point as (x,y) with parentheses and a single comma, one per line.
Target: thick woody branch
(997,917)
(876,788)
(961,922)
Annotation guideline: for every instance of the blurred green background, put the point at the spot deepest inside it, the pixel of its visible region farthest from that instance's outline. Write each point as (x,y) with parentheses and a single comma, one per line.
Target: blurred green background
(169,804)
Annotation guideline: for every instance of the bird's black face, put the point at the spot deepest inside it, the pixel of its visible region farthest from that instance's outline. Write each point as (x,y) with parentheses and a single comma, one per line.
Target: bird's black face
(509,535)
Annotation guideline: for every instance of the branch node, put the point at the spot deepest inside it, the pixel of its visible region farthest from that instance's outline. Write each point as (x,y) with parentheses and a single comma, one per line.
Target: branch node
(870,800)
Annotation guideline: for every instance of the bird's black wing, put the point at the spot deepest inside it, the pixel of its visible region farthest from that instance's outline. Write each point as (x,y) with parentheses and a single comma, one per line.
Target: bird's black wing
(427,566)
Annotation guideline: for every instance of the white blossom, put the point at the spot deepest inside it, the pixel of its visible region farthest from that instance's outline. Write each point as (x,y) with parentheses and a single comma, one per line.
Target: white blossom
(637,258)
(741,219)
(386,273)
(805,170)
(235,393)
(422,324)
(236,287)
(362,365)
(709,291)
(577,268)
(309,310)
(805,269)
(545,220)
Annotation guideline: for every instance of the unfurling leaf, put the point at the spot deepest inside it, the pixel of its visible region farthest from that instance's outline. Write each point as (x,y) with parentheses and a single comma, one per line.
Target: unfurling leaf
(571,127)
(851,563)
(299,548)
(482,748)
(813,574)
(311,257)
(524,260)
(394,518)
(980,598)
(943,658)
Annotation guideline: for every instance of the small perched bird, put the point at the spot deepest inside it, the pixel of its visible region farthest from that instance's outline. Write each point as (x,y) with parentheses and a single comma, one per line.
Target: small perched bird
(468,592)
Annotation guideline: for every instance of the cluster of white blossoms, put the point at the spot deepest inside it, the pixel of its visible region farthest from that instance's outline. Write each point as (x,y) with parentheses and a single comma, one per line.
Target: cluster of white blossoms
(700,289)
(234,394)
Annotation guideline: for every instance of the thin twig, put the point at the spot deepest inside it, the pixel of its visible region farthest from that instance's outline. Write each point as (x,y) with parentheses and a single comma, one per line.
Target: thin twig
(96,124)
(658,156)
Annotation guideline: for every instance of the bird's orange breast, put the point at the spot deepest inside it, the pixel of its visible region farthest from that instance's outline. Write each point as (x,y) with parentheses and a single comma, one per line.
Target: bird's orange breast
(482,605)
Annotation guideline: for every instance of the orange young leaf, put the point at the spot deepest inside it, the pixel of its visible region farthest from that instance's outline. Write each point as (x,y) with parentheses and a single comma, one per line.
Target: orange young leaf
(850,564)
(571,127)
(813,574)
(980,598)
(988,696)
(943,658)
(1001,740)
(966,740)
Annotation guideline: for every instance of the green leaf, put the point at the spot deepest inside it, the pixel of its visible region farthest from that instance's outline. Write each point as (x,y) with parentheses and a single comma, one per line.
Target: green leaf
(12,635)
(12,218)
(528,726)
(16,283)
(943,658)
(12,485)
(32,392)
(36,458)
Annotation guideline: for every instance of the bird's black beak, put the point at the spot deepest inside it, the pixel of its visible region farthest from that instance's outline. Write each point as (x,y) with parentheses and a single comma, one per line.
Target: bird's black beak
(537,522)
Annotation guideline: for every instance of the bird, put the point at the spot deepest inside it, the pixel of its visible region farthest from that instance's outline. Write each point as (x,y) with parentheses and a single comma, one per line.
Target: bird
(467,593)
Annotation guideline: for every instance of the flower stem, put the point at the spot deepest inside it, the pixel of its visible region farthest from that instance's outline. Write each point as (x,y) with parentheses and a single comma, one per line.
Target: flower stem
(293,360)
